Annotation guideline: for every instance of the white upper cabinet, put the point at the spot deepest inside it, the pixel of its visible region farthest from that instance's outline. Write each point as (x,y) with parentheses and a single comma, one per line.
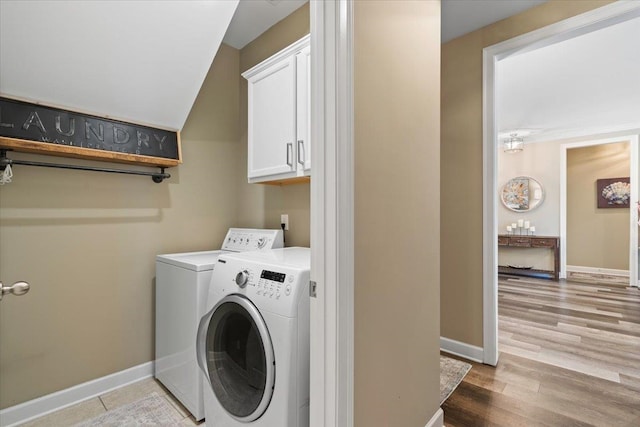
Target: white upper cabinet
(279,112)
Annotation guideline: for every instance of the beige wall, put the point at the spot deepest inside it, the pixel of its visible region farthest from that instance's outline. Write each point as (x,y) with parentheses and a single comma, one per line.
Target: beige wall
(596,238)
(260,205)
(87,241)
(461,160)
(397,221)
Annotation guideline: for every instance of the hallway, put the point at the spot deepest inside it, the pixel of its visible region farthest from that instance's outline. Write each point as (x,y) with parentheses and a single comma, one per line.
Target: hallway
(569,355)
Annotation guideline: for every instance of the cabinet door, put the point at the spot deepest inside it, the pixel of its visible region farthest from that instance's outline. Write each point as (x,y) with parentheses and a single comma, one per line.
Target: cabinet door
(303,109)
(271,134)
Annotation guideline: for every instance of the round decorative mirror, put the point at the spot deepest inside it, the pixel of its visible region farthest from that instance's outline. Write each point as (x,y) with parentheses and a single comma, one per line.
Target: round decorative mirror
(522,194)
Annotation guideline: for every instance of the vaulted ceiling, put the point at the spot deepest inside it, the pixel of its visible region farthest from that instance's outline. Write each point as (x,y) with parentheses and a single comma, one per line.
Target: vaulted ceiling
(141,61)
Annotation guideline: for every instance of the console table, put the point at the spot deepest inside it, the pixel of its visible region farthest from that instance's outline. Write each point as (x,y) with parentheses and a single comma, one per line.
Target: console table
(550,242)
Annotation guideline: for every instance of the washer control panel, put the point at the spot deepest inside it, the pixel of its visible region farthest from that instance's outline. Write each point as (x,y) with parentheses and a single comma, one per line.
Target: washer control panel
(265,283)
(272,284)
(249,239)
(276,281)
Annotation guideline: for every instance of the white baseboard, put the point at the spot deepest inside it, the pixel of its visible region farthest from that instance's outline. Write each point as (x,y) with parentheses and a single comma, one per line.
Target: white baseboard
(596,270)
(36,408)
(437,420)
(461,349)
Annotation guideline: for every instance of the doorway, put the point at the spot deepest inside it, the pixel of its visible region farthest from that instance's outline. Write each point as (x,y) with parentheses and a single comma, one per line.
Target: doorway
(597,161)
(601,18)
(560,322)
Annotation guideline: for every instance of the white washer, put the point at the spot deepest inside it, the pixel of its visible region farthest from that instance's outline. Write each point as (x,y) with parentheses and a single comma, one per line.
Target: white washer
(182,285)
(253,344)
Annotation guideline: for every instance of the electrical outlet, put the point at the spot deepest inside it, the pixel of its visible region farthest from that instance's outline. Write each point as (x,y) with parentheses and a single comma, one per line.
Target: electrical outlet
(284,219)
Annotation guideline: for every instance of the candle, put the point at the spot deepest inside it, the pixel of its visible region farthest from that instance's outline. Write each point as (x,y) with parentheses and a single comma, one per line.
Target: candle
(520,222)
(527,224)
(532,229)
(514,225)
(509,229)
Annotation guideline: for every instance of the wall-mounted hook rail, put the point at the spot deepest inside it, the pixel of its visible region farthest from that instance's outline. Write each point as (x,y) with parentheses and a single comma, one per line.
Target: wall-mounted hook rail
(156,176)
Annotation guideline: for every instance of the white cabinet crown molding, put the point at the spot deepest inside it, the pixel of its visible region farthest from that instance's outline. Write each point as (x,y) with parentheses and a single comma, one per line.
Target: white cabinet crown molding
(290,50)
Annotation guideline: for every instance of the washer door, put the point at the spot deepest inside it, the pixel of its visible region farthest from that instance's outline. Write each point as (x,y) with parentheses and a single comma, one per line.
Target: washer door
(239,358)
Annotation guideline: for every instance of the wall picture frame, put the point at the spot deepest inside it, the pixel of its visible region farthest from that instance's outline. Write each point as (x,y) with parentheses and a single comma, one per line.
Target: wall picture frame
(613,192)
(522,194)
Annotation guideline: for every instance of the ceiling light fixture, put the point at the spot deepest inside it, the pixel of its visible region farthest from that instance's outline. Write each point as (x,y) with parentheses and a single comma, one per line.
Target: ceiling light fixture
(513,144)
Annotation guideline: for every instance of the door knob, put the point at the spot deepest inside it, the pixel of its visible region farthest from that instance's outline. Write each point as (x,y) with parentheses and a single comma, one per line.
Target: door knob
(17,289)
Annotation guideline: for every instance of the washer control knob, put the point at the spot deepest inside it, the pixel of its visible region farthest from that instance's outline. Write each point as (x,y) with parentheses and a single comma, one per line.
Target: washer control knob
(261,242)
(242,278)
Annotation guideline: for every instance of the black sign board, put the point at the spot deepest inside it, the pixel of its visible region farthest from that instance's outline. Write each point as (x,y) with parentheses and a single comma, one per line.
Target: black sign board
(36,128)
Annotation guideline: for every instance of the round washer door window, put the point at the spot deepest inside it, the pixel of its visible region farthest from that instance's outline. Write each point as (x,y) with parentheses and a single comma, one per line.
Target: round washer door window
(240,359)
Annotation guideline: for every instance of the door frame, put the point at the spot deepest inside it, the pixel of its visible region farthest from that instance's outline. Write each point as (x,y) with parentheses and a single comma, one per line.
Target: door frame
(581,24)
(633,213)
(332,225)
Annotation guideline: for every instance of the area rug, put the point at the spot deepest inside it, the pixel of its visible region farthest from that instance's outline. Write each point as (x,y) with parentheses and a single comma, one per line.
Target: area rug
(452,372)
(153,410)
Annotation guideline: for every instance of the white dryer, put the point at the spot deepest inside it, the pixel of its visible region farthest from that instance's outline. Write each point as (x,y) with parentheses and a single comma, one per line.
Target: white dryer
(253,343)
(182,289)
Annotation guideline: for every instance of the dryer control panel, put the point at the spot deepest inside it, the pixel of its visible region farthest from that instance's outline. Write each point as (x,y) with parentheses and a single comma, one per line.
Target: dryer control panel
(249,239)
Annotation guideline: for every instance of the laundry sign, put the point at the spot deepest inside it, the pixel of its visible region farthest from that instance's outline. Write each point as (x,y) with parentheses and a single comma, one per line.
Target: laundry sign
(42,129)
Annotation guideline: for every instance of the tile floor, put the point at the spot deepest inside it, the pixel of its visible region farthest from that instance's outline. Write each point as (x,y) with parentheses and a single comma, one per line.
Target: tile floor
(114,399)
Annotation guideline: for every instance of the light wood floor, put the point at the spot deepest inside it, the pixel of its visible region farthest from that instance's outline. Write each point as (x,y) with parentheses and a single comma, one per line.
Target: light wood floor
(569,356)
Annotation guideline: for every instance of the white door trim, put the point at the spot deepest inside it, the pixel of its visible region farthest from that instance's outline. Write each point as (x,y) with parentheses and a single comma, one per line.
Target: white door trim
(633,213)
(569,28)
(633,217)
(331,393)
(489,216)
